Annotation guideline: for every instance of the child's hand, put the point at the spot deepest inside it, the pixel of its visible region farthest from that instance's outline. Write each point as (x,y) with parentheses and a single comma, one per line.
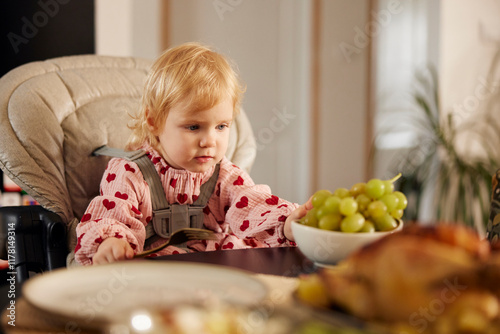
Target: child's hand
(113,249)
(295,215)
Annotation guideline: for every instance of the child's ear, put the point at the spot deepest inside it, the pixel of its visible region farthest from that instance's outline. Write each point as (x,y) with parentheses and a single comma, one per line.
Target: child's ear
(151,123)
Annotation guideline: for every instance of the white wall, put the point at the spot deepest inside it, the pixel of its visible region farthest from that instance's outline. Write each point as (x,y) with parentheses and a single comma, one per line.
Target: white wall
(470,41)
(128,28)
(470,38)
(343,94)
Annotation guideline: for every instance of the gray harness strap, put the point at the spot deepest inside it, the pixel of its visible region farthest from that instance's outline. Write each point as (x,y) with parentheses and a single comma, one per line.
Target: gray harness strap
(173,217)
(167,218)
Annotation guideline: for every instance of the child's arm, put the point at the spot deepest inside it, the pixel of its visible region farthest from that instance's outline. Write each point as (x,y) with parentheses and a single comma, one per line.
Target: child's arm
(120,212)
(113,249)
(253,212)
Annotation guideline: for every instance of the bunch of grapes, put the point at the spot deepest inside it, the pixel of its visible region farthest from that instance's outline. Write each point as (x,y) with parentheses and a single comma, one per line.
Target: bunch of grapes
(366,207)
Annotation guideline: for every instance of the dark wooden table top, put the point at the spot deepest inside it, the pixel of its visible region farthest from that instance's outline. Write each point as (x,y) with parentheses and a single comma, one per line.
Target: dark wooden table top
(282,261)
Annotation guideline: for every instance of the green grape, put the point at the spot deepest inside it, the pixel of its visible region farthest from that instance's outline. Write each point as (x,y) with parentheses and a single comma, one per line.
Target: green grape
(377,209)
(311,221)
(319,197)
(363,202)
(348,206)
(366,207)
(332,204)
(385,223)
(391,201)
(311,290)
(389,187)
(375,188)
(357,189)
(341,192)
(321,212)
(368,227)
(352,223)
(310,218)
(398,214)
(364,213)
(403,202)
(330,222)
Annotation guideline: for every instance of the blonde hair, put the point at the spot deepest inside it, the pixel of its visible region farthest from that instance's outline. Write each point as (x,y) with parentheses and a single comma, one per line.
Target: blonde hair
(190,72)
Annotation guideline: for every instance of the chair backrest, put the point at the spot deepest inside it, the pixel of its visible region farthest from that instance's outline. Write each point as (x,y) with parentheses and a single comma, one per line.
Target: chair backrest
(54,113)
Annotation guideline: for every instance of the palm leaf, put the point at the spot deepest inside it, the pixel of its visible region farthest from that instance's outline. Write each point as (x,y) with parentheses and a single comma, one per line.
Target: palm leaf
(463,187)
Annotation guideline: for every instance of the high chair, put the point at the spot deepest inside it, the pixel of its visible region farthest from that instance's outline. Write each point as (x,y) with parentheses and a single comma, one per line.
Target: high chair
(53,115)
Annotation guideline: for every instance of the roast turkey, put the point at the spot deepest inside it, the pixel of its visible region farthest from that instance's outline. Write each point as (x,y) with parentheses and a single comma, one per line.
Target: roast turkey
(434,279)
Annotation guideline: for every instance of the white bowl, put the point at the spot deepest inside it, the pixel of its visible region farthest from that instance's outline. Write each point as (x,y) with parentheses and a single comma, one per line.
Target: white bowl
(329,247)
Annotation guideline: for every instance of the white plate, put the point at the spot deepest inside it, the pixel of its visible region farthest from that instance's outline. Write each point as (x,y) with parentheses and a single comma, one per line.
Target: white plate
(107,292)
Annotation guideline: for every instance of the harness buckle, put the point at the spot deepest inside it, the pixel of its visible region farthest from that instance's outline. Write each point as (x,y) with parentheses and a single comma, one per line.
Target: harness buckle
(161,222)
(175,217)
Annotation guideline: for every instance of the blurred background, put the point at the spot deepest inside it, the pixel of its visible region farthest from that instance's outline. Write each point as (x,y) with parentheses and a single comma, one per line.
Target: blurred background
(338,91)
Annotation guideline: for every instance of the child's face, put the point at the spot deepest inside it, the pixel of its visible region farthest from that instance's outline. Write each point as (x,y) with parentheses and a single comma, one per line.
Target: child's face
(195,140)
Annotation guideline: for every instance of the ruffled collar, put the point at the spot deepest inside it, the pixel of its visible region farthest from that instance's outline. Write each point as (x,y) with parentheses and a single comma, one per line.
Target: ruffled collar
(182,186)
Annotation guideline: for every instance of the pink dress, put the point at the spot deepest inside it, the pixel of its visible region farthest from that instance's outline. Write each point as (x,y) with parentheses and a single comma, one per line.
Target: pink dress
(243,214)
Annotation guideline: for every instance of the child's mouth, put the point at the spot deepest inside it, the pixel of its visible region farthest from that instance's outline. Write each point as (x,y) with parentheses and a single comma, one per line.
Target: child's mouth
(204,159)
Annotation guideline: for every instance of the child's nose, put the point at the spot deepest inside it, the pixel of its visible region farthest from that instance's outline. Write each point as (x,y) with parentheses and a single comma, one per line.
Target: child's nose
(208,140)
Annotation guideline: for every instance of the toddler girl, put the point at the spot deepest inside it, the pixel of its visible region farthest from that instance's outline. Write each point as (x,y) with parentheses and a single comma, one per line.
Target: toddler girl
(190,99)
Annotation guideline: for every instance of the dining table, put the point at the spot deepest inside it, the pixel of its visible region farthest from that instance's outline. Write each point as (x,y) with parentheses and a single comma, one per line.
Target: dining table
(277,267)
(281,261)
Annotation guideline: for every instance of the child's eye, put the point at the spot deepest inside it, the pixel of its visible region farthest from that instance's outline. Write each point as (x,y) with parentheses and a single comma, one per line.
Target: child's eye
(222,126)
(193,127)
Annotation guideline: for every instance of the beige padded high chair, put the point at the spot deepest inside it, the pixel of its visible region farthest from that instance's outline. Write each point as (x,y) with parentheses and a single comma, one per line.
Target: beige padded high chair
(53,115)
